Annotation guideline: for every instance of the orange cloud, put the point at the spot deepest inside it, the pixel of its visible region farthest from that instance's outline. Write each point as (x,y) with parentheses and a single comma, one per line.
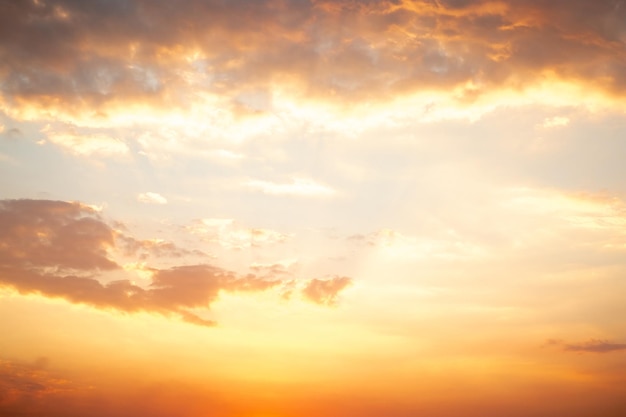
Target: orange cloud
(57,234)
(590,346)
(59,249)
(152,54)
(325,291)
(46,245)
(23,384)
(36,389)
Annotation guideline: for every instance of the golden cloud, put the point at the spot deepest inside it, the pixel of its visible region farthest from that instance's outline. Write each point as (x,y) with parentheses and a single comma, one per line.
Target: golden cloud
(71,57)
(325,291)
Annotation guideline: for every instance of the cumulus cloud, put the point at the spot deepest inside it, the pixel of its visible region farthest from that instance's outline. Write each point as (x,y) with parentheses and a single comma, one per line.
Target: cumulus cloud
(325,291)
(61,249)
(63,235)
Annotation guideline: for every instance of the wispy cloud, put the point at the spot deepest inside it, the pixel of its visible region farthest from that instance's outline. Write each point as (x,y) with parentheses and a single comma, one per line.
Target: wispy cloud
(87,143)
(142,249)
(151,198)
(556,121)
(232,235)
(395,244)
(590,346)
(301,187)
(22,382)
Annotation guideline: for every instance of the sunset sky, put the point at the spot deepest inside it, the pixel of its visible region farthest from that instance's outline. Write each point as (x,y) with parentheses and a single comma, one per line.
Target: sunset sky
(313,208)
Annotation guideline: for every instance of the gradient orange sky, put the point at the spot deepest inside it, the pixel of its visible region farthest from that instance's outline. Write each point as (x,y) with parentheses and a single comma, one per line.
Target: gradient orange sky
(313,208)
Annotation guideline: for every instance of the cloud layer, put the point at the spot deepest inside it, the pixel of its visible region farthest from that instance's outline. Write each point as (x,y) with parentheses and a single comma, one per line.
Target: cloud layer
(105,54)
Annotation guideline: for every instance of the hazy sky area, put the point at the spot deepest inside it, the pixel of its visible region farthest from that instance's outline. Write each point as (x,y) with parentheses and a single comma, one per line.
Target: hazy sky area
(313,208)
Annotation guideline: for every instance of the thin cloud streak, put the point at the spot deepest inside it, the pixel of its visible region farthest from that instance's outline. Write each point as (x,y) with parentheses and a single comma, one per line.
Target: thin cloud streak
(300,187)
(590,346)
(151,198)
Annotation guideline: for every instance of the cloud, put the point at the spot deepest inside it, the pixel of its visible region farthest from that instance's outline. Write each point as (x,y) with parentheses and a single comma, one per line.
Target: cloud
(157,248)
(22,383)
(591,346)
(448,245)
(90,145)
(57,234)
(231,235)
(282,267)
(84,56)
(61,249)
(46,246)
(172,292)
(151,198)
(576,210)
(556,121)
(301,187)
(325,291)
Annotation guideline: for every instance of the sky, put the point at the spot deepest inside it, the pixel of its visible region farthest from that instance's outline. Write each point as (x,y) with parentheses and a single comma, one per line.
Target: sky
(313,208)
